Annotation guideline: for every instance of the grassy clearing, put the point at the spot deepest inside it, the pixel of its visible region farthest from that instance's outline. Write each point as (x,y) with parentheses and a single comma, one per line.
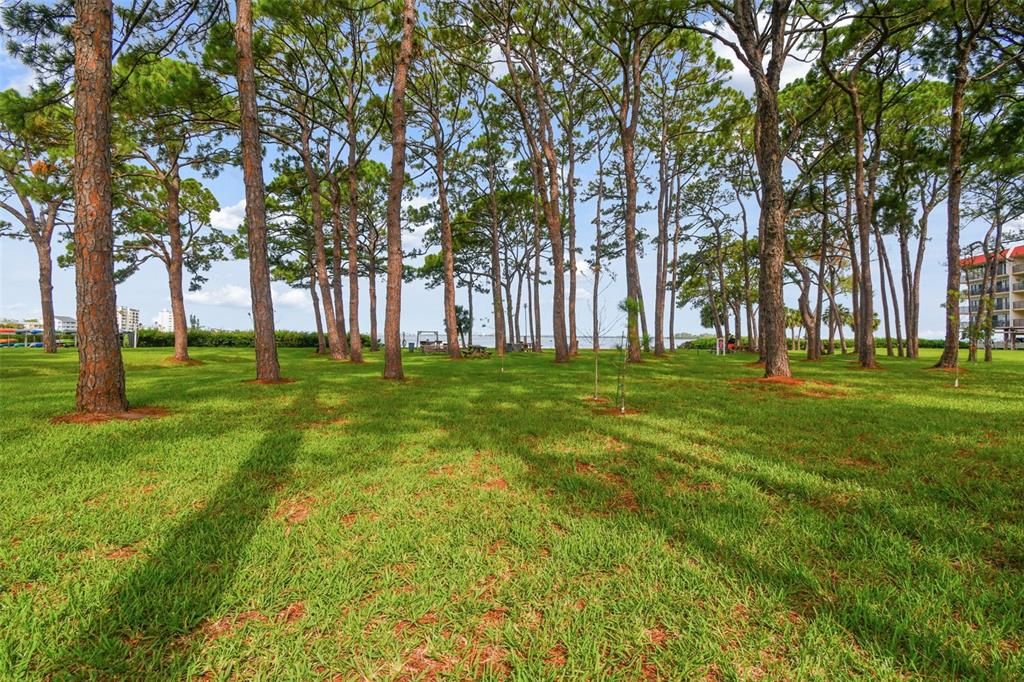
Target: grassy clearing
(468,523)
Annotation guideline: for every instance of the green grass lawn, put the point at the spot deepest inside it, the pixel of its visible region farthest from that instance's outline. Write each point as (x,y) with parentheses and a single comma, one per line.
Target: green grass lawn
(469,523)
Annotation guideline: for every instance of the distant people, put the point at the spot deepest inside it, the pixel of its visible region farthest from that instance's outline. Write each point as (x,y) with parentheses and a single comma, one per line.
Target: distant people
(731,345)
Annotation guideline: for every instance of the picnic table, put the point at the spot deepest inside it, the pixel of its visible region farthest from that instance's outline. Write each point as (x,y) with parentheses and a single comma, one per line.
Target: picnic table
(475,352)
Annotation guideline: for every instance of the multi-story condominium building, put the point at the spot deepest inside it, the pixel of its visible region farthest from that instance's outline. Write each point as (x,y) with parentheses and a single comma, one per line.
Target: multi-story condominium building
(65,325)
(127,319)
(1008,301)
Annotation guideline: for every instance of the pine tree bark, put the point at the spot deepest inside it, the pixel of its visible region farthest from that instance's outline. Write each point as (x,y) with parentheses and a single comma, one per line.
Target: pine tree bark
(336,281)
(772,334)
(570,194)
(101,387)
(661,251)
(46,297)
(393,305)
(633,304)
(268,368)
(676,234)
(172,185)
(371,291)
(355,346)
(492,204)
(535,300)
(598,247)
(321,345)
(544,164)
(356,341)
(451,326)
(334,334)
(951,347)
(886,267)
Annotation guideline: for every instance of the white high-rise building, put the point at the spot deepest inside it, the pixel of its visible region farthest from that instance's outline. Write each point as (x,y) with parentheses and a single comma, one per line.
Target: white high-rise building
(127,319)
(165,321)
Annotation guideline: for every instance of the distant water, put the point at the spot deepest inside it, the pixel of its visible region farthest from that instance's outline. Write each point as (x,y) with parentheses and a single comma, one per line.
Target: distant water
(487,340)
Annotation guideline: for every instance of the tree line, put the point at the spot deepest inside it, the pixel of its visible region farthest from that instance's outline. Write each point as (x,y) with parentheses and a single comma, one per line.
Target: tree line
(511,116)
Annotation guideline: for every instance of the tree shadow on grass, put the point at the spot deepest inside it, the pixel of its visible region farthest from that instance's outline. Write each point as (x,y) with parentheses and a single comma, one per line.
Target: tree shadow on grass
(141,629)
(804,587)
(804,583)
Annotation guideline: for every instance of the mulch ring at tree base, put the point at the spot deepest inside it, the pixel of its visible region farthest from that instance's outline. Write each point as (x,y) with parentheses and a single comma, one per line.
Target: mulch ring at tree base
(616,411)
(595,399)
(269,382)
(789,387)
(131,414)
(174,362)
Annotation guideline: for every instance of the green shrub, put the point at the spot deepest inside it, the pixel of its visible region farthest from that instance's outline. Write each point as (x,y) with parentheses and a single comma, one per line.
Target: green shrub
(206,338)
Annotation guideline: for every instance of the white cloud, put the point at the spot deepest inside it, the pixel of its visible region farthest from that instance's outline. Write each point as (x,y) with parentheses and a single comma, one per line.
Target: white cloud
(797,65)
(229,295)
(14,74)
(229,217)
(414,239)
(418,201)
(499,67)
(290,298)
(234,296)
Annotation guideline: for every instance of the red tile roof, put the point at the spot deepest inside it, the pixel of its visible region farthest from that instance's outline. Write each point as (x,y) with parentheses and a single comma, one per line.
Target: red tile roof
(1007,254)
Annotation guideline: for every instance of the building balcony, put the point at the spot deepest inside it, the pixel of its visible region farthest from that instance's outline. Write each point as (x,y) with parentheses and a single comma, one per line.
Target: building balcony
(1018,322)
(1018,305)
(1018,268)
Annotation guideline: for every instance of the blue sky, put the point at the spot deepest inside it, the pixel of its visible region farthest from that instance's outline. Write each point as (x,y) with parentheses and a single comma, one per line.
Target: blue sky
(224,300)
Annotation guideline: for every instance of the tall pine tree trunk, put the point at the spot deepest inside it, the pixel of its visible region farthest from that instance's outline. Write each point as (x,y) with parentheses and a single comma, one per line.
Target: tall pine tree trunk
(772,310)
(46,296)
(499,318)
(321,346)
(172,186)
(633,302)
(355,338)
(267,367)
(371,285)
(393,304)
(951,347)
(334,334)
(570,190)
(451,325)
(100,370)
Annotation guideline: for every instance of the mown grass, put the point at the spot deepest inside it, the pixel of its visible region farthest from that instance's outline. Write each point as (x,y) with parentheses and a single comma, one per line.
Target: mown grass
(469,523)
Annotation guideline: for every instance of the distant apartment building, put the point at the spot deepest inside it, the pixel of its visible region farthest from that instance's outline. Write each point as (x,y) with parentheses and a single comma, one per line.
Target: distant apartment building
(64,324)
(1008,301)
(127,319)
(165,321)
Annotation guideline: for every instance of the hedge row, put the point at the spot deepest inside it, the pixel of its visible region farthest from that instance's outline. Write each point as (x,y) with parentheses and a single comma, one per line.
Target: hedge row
(200,338)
